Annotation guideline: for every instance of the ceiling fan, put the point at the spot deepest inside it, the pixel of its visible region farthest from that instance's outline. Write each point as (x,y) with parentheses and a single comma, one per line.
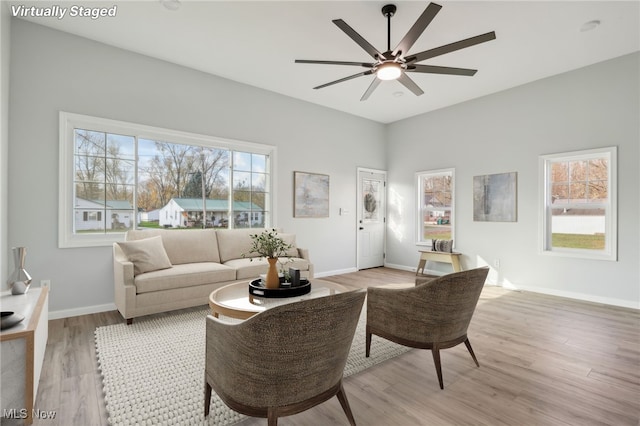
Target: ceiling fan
(395,64)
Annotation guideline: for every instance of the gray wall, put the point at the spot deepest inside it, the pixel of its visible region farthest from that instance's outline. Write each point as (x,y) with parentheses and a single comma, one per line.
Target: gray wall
(5,47)
(592,107)
(596,106)
(53,71)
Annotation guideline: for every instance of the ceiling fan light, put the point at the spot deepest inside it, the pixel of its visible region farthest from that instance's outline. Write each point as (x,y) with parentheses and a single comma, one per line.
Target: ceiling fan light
(389,71)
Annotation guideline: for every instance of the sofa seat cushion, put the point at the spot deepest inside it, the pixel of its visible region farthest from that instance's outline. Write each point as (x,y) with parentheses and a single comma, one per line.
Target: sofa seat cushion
(252,268)
(182,276)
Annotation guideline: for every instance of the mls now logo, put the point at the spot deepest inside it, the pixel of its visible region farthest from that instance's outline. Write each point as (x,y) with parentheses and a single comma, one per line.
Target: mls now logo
(22,413)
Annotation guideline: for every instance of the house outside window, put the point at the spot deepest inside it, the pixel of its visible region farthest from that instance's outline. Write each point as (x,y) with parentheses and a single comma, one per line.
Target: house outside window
(578,204)
(112,169)
(435,205)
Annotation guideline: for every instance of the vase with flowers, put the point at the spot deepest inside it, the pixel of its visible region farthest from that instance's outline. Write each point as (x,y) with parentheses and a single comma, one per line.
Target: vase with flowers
(269,246)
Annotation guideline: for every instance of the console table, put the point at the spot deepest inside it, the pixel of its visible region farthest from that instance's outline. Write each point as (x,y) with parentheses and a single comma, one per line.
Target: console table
(438,256)
(22,350)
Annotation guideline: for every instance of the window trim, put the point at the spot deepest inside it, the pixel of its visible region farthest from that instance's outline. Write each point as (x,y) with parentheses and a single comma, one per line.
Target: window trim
(70,121)
(419,195)
(610,252)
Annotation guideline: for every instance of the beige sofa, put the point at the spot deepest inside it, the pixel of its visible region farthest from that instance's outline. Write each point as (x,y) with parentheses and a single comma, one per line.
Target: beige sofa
(160,270)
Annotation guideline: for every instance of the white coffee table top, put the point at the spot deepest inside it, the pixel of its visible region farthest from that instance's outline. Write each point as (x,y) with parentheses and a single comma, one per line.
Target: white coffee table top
(234,300)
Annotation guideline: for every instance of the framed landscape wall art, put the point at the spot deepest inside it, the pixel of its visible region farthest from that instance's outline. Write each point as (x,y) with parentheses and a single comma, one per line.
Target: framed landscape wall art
(495,197)
(310,195)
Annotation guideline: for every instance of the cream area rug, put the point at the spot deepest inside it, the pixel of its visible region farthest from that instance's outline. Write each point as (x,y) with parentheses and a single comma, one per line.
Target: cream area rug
(153,370)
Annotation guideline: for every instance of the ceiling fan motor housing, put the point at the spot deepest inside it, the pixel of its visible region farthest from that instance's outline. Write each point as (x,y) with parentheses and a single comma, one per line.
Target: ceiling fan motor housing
(396,64)
(389,10)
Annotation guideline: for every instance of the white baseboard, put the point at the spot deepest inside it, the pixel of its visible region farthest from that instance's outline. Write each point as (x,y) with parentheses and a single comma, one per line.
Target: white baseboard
(401,267)
(86,310)
(335,272)
(413,269)
(492,280)
(577,296)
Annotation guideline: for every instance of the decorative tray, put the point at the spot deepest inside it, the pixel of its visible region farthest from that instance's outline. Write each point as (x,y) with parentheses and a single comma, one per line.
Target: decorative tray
(256,288)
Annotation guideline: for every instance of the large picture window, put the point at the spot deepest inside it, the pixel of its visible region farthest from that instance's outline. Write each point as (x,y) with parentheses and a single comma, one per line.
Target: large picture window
(117,176)
(578,199)
(435,209)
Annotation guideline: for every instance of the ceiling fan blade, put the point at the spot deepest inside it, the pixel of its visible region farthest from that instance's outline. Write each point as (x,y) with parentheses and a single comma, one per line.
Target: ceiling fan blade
(359,64)
(416,31)
(410,84)
(431,53)
(432,69)
(370,89)
(375,54)
(360,74)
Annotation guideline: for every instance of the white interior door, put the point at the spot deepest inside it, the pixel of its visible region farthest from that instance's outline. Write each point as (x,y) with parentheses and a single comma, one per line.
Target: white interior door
(371,218)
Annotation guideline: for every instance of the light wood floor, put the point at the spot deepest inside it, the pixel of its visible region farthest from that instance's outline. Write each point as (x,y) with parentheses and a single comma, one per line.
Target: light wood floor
(543,361)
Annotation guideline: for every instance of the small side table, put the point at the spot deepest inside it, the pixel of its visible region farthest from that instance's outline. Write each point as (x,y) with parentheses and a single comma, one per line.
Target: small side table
(438,256)
(22,347)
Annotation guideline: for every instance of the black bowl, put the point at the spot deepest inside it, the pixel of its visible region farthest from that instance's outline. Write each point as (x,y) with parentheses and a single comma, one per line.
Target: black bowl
(9,319)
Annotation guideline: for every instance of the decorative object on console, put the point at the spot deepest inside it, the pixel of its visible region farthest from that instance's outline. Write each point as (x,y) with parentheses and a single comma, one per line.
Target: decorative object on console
(20,280)
(9,319)
(270,246)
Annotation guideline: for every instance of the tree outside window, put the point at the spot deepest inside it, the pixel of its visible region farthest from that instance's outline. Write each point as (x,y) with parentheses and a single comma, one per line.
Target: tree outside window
(435,205)
(578,202)
(117,176)
(103,181)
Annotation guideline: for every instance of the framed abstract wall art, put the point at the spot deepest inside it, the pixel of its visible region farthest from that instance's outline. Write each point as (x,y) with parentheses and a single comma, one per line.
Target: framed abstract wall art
(495,198)
(310,195)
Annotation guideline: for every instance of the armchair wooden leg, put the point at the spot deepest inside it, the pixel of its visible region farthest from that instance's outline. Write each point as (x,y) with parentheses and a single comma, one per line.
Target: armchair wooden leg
(272,416)
(467,343)
(342,397)
(207,398)
(436,360)
(368,344)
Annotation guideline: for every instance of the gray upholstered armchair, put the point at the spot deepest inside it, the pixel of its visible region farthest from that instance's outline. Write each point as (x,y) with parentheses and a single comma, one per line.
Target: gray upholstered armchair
(432,315)
(284,360)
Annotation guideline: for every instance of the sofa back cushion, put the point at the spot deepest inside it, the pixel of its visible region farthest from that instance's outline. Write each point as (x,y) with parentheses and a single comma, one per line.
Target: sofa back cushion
(233,243)
(290,239)
(183,245)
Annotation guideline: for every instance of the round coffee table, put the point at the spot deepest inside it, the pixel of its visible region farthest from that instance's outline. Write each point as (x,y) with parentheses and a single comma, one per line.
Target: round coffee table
(234,300)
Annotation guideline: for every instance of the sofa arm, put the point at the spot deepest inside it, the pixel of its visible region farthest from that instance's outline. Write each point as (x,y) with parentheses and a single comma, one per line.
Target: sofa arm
(124,287)
(303,253)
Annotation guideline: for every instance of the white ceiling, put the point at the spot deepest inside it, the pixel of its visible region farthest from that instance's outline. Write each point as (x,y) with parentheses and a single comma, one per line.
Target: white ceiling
(257,42)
